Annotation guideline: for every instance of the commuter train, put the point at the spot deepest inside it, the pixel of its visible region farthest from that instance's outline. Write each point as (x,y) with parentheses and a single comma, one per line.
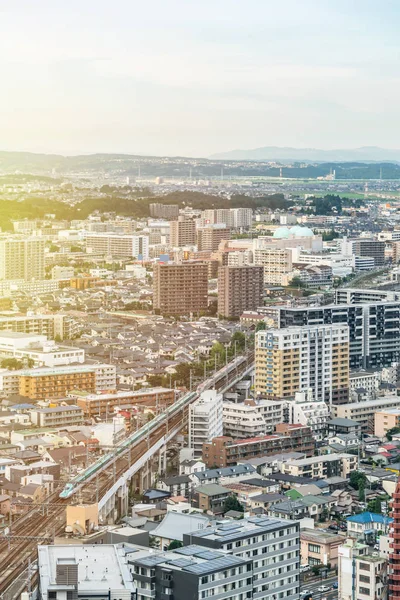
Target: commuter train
(72,486)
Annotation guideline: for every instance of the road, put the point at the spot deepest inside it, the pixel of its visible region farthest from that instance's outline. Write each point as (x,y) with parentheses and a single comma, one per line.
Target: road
(313,586)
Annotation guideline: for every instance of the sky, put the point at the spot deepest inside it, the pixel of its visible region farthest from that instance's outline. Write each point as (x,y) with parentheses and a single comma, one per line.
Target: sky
(195,77)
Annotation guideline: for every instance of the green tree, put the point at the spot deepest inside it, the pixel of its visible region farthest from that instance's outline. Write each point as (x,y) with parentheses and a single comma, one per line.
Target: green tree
(356,479)
(240,340)
(174,545)
(261,326)
(391,432)
(232,503)
(12,364)
(361,492)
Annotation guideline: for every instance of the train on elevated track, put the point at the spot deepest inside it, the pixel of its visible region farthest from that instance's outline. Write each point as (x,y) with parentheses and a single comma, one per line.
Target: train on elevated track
(97,467)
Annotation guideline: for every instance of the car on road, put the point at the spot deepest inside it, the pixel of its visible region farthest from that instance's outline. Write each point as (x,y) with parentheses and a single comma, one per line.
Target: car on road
(335,585)
(324,588)
(305,593)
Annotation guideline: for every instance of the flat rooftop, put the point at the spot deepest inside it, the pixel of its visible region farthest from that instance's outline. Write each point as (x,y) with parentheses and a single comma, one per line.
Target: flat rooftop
(100,567)
(236,530)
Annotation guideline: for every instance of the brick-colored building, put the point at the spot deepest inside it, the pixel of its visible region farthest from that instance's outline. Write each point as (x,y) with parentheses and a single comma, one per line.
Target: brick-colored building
(180,289)
(209,238)
(239,289)
(224,452)
(103,404)
(182,232)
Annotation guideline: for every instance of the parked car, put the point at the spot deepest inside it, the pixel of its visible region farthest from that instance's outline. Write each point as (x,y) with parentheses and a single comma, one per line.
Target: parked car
(334,527)
(324,588)
(304,568)
(335,585)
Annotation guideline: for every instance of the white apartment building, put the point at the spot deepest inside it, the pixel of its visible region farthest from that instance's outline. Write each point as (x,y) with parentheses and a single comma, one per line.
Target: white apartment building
(341,264)
(240,258)
(43,352)
(366,380)
(364,412)
(205,420)
(360,575)
(320,467)
(112,244)
(277,264)
(274,547)
(307,411)
(106,376)
(242,421)
(272,411)
(242,218)
(60,416)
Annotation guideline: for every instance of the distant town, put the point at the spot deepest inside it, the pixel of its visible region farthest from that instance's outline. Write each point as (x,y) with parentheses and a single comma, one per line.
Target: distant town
(199,379)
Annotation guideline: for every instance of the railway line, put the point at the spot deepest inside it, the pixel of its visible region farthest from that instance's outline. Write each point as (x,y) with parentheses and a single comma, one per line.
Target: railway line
(19,547)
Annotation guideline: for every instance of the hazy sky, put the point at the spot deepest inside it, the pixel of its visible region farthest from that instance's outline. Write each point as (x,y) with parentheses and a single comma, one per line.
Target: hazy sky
(193,77)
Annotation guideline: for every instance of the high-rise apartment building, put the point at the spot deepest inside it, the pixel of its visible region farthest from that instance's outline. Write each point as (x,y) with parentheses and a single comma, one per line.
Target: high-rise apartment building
(238,218)
(182,232)
(374,328)
(276,262)
(209,238)
(205,420)
(239,289)
(21,258)
(118,245)
(164,211)
(298,359)
(180,289)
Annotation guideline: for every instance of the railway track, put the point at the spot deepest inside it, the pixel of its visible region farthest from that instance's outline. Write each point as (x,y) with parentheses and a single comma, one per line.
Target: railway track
(33,528)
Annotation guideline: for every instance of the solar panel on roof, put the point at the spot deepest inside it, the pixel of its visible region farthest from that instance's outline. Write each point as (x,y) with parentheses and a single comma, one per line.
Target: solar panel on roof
(224,562)
(152,561)
(189,550)
(180,562)
(208,555)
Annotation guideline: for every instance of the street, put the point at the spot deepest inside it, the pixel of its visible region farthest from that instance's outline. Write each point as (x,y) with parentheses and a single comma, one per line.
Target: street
(313,586)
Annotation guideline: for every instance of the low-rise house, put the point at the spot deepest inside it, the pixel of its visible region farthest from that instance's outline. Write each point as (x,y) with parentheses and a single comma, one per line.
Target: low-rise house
(319,547)
(225,474)
(191,466)
(176,486)
(175,525)
(211,498)
(265,501)
(367,522)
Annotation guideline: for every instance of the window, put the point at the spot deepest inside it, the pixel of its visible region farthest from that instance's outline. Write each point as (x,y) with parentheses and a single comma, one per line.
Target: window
(314,548)
(364,566)
(364,579)
(364,591)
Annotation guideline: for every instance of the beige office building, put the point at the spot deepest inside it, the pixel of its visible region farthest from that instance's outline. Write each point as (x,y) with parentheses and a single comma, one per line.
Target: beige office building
(180,289)
(295,359)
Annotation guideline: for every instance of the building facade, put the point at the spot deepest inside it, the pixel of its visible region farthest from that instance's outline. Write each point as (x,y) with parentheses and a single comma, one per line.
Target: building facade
(373,328)
(205,420)
(239,289)
(225,452)
(182,232)
(180,289)
(22,258)
(277,264)
(298,359)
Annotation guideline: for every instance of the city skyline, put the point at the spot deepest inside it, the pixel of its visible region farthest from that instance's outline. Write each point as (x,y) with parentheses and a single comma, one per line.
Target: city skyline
(170,79)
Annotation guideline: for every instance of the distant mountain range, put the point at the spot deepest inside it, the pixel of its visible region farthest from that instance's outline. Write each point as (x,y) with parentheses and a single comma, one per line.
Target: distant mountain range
(364,154)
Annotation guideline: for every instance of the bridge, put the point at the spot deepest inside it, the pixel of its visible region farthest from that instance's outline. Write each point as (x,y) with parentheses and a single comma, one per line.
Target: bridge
(107,487)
